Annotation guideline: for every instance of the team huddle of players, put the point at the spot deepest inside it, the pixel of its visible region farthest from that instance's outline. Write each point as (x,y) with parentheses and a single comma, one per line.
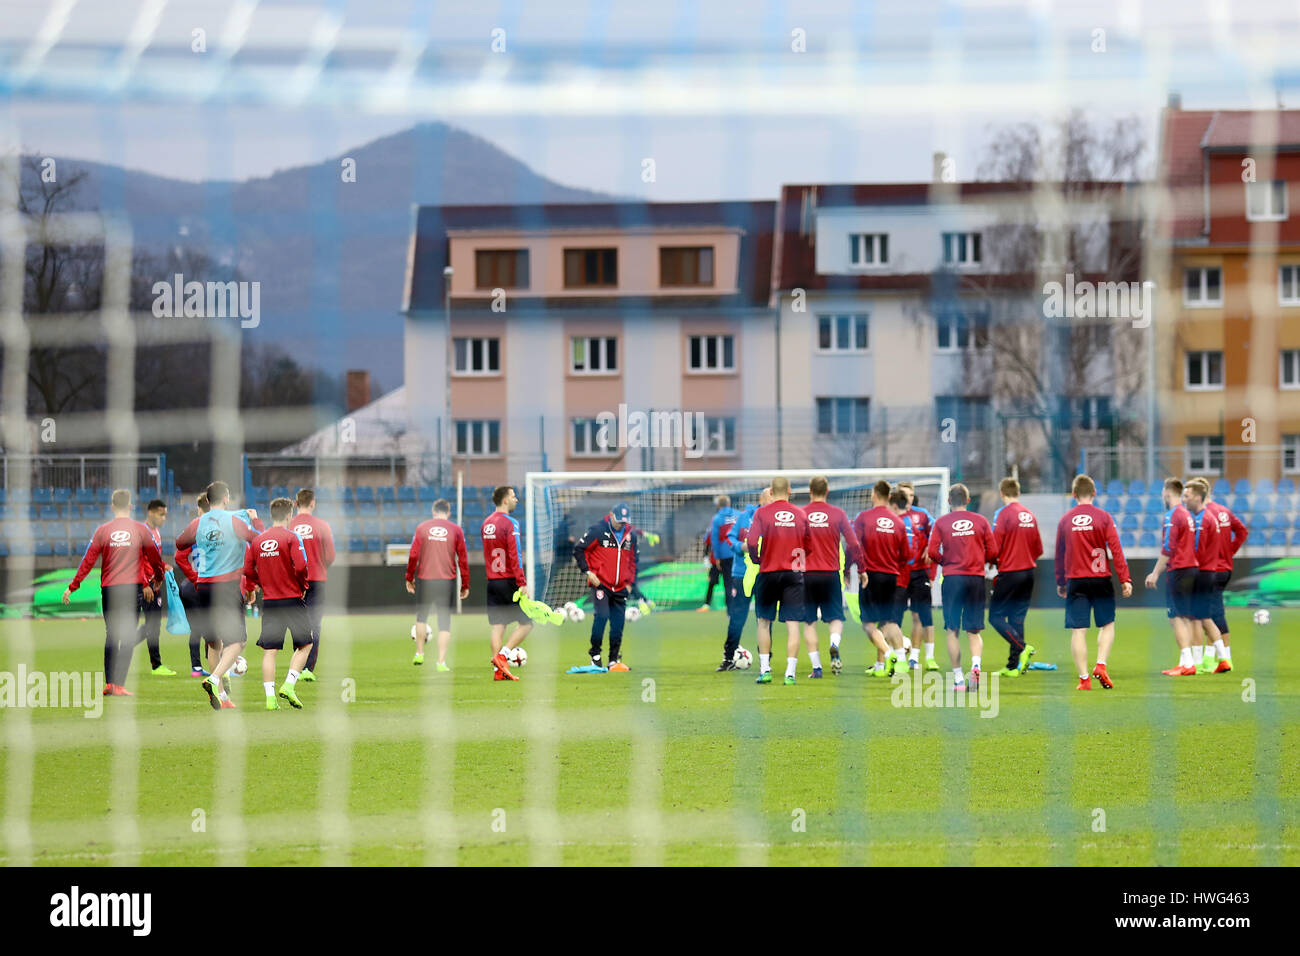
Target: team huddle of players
(790,561)
(227,558)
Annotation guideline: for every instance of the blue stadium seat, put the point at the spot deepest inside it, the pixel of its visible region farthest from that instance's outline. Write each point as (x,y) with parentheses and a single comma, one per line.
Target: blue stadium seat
(1264,486)
(1132,505)
(61,549)
(368,509)
(387,494)
(62,495)
(49,513)
(365,493)
(1127,540)
(406,493)
(356,544)
(44,549)
(349,509)
(1149,540)
(410,509)
(1241,486)
(1221,488)
(1114,487)
(1129,523)
(1154,506)
(42,496)
(1240,505)
(427,494)
(1286,486)
(1284,504)
(374,544)
(1277,539)
(1260,521)
(104,495)
(1138,487)
(396,530)
(370,527)
(84,496)
(20,495)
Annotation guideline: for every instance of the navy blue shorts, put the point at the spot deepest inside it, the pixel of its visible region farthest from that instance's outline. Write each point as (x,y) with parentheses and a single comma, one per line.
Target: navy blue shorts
(437,595)
(1085,597)
(824,595)
(1203,592)
(1180,587)
(779,588)
(502,609)
(876,598)
(963,602)
(280,615)
(1221,579)
(919,597)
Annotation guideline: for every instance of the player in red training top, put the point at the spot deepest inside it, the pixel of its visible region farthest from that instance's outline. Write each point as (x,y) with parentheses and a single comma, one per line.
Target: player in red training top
(822,592)
(1178,554)
(132,570)
(318,541)
(885,546)
(1083,538)
(437,554)
(1217,658)
(920,577)
(962,544)
(276,561)
(782,530)
(505,576)
(1015,531)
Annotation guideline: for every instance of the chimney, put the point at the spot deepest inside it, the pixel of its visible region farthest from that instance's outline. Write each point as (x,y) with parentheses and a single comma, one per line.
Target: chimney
(1175,100)
(936,175)
(358,388)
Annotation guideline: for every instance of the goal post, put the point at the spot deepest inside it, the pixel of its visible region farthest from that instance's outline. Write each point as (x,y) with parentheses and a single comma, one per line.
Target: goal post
(677,507)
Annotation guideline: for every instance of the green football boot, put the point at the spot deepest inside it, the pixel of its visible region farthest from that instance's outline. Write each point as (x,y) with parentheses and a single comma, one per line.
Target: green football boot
(443,668)
(287,693)
(271,704)
(764,678)
(307,676)
(417,659)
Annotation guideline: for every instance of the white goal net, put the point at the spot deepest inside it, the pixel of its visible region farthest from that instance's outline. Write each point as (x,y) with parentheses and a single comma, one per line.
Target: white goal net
(676,507)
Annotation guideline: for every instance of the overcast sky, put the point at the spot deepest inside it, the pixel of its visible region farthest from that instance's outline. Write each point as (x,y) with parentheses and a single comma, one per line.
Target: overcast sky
(583,92)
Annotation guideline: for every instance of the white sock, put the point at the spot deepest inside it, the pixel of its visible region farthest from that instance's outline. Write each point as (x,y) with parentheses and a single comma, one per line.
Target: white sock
(1101,662)
(1185,657)
(790,664)
(270,687)
(764,663)
(223,696)
(957,675)
(914,654)
(1225,652)
(974,660)
(879,666)
(929,650)
(907,643)
(292,678)
(816,658)
(835,640)
(1198,651)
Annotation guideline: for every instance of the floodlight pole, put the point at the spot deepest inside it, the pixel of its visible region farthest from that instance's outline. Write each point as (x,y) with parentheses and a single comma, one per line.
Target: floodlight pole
(447,272)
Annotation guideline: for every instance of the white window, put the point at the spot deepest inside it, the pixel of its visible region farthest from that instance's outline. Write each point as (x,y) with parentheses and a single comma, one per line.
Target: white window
(1289,376)
(477,356)
(712,353)
(594,439)
(961,248)
(959,332)
(1288,285)
(1203,287)
(868,249)
(1291,454)
(478,438)
(1204,454)
(1204,371)
(1266,200)
(719,435)
(842,333)
(843,416)
(594,355)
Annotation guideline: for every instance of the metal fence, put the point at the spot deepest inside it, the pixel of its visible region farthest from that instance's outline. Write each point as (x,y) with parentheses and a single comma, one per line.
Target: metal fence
(87,472)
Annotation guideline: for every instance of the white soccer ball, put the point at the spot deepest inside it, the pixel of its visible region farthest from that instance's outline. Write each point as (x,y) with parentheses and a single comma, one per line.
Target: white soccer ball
(633,614)
(568,608)
(413,627)
(240,668)
(1262,616)
(516,657)
(742,659)
(576,614)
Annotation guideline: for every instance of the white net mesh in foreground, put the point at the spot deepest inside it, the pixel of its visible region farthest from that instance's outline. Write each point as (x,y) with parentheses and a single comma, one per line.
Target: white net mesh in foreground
(677,506)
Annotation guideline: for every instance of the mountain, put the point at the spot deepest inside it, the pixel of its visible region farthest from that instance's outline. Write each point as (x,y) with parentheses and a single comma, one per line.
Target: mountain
(330,255)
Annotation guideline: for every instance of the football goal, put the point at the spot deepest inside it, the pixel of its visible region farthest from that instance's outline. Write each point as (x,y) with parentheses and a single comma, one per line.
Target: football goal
(675,508)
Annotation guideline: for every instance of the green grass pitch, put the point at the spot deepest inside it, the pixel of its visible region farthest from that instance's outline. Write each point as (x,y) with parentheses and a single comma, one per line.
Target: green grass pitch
(670,763)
